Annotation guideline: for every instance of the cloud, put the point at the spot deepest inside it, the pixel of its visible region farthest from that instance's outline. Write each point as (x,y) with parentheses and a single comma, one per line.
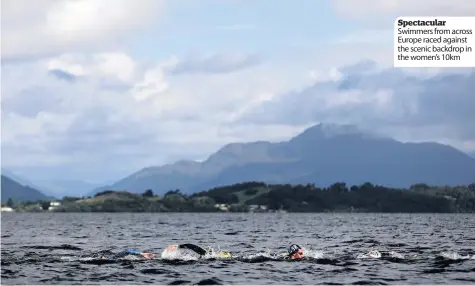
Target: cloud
(111,70)
(385,12)
(117,111)
(32,29)
(64,75)
(120,115)
(216,63)
(31,101)
(386,99)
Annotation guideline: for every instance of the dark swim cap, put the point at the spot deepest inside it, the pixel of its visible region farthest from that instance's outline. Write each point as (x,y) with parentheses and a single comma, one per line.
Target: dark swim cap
(294,248)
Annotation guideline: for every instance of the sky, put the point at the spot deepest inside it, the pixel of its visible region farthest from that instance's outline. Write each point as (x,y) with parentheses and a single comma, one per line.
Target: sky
(96,90)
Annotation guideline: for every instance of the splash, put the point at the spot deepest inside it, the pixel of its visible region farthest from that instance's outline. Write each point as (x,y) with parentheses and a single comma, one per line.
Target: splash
(394,254)
(263,254)
(174,253)
(215,253)
(179,254)
(455,256)
(370,254)
(315,254)
(271,255)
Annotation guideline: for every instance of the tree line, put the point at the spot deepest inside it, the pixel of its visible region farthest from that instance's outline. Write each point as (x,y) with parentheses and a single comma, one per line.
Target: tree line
(282,197)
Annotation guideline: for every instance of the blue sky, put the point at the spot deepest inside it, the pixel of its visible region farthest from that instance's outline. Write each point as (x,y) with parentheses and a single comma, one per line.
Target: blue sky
(96,90)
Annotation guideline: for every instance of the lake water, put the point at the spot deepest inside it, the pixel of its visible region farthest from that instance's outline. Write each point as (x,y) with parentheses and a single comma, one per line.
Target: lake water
(62,248)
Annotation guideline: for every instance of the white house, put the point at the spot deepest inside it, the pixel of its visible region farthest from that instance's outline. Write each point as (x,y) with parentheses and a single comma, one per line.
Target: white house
(257,208)
(53,205)
(222,207)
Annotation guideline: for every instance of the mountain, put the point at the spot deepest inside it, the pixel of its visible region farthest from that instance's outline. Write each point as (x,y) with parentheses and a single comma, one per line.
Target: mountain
(56,188)
(25,182)
(19,179)
(16,191)
(322,154)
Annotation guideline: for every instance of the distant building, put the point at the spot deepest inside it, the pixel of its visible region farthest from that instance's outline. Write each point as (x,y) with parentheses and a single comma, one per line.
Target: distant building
(222,207)
(7,209)
(253,208)
(53,205)
(257,208)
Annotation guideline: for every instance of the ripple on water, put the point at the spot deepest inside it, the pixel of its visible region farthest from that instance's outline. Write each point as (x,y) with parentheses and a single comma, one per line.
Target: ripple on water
(356,249)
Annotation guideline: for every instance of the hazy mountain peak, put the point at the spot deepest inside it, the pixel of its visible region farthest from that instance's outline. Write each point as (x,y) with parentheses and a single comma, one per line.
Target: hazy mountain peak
(182,166)
(323,131)
(186,163)
(238,154)
(22,181)
(238,148)
(331,130)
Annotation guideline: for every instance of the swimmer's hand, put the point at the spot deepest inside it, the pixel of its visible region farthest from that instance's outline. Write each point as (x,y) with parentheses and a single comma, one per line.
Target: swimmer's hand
(146,255)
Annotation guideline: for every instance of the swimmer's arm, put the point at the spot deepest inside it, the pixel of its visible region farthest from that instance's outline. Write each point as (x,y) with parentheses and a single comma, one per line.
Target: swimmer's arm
(133,252)
(194,248)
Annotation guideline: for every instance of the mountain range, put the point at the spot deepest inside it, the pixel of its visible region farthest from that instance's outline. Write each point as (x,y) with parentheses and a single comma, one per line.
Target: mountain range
(322,154)
(18,192)
(55,188)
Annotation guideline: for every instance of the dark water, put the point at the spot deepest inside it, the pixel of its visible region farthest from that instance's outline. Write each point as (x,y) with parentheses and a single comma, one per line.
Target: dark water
(53,248)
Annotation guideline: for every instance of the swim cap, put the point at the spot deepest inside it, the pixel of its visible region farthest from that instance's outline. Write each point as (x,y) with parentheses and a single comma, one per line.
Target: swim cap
(224,254)
(294,248)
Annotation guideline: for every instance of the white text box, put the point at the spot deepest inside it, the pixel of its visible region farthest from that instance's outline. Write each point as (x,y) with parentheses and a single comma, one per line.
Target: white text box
(434,42)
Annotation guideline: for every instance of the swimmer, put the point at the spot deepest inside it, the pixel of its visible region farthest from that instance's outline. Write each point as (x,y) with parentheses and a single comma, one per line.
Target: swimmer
(295,252)
(133,252)
(196,249)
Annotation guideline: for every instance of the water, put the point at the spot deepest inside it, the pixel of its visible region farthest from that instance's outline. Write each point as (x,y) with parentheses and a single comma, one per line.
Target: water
(61,248)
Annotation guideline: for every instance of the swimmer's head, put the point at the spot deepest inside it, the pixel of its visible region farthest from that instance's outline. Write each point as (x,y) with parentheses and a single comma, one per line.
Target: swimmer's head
(295,252)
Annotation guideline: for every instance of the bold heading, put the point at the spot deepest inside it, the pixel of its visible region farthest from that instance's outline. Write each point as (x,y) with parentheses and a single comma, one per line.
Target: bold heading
(434,22)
